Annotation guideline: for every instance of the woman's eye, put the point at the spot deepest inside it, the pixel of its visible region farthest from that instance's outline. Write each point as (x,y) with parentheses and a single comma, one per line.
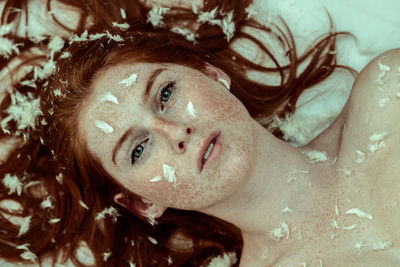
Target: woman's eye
(137,152)
(165,94)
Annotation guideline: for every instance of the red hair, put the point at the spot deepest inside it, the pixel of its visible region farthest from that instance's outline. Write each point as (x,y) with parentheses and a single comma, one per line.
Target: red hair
(86,189)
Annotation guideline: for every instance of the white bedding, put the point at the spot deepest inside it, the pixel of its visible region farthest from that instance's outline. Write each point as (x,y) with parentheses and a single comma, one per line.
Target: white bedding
(376,24)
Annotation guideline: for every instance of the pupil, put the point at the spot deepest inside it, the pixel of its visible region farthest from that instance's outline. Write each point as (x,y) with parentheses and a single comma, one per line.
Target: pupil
(138,151)
(166,95)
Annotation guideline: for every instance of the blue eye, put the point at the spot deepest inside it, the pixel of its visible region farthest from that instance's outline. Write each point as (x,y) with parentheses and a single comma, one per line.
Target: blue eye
(165,93)
(138,152)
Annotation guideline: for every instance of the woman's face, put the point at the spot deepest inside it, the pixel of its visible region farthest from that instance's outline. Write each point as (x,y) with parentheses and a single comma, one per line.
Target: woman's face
(140,129)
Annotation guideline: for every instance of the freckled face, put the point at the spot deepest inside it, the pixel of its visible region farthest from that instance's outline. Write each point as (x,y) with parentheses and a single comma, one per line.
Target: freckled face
(159,130)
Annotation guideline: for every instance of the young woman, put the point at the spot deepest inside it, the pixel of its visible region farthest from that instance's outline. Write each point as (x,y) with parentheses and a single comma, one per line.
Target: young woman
(142,133)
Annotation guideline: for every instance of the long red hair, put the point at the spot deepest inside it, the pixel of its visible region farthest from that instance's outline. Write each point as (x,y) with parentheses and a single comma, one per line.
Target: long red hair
(80,188)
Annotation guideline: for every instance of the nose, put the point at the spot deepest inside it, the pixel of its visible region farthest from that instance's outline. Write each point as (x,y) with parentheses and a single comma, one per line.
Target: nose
(177,134)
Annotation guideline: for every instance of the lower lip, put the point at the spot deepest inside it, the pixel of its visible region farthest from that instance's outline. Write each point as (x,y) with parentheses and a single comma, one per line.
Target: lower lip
(215,153)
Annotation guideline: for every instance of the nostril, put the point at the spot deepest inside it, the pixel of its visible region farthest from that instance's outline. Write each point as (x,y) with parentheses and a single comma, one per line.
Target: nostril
(188,130)
(181,144)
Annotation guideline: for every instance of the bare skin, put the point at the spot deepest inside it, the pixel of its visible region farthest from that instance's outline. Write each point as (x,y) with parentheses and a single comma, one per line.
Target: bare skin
(370,185)
(261,182)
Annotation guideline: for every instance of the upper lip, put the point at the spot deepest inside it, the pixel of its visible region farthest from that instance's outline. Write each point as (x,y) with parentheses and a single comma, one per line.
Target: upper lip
(204,147)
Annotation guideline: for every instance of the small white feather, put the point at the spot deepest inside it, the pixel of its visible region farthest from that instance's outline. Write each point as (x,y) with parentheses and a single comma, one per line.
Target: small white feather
(381,245)
(251,10)
(13,183)
(104,126)
(228,26)
(189,35)
(191,110)
(383,102)
(83,204)
(351,227)
(114,37)
(152,240)
(59,178)
(169,173)
(281,231)
(156,179)
(208,16)
(155,16)
(23,110)
(123,14)
(7,47)
(131,80)
(26,224)
(54,220)
(360,157)
(358,212)
(225,83)
(65,54)
(96,36)
(225,260)
(109,97)
(122,26)
(106,255)
(314,156)
(47,203)
(28,255)
(111,212)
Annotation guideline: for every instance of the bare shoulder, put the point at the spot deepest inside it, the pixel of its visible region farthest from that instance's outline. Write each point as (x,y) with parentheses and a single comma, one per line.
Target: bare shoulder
(374,103)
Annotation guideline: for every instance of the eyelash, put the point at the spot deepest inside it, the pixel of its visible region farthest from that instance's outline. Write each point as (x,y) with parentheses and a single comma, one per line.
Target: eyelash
(170,86)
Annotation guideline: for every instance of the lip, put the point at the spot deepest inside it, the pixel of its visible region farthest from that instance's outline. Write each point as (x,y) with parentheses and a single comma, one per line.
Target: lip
(204,147)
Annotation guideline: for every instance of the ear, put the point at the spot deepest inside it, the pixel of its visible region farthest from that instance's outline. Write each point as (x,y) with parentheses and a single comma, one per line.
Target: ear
(217,74)
(139,206)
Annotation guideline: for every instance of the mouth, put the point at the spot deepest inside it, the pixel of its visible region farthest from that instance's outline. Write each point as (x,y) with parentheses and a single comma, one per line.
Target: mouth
(207,149)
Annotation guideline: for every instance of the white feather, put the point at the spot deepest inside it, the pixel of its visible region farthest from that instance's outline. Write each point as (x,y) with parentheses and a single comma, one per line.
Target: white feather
(155,179)
(251,10)
(122,26)
(26,224)
(106,255)
(169,173)
(7,47)
(47,203)
(155,16)
(381,245)
(104,126)
(189,35)
(54,220)
(191,110)
(83,204)
(114,37)
(131,80)
(13,183)
(23,110)
(225,83)
(281,231)
(314,156)
(123,14)
(109,97)
(110,211)
(359,213)
(224,260)
(360,157)
(152,240)
(65,54)
(28,255)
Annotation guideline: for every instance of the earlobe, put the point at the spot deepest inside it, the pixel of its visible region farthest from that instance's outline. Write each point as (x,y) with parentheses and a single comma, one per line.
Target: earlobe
(140,206)
(217,74)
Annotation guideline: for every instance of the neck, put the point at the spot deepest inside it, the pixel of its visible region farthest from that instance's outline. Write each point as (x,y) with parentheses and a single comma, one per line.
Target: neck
(284,202)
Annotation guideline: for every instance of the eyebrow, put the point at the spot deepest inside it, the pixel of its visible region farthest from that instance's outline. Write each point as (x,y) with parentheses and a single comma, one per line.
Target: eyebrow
(145,97)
